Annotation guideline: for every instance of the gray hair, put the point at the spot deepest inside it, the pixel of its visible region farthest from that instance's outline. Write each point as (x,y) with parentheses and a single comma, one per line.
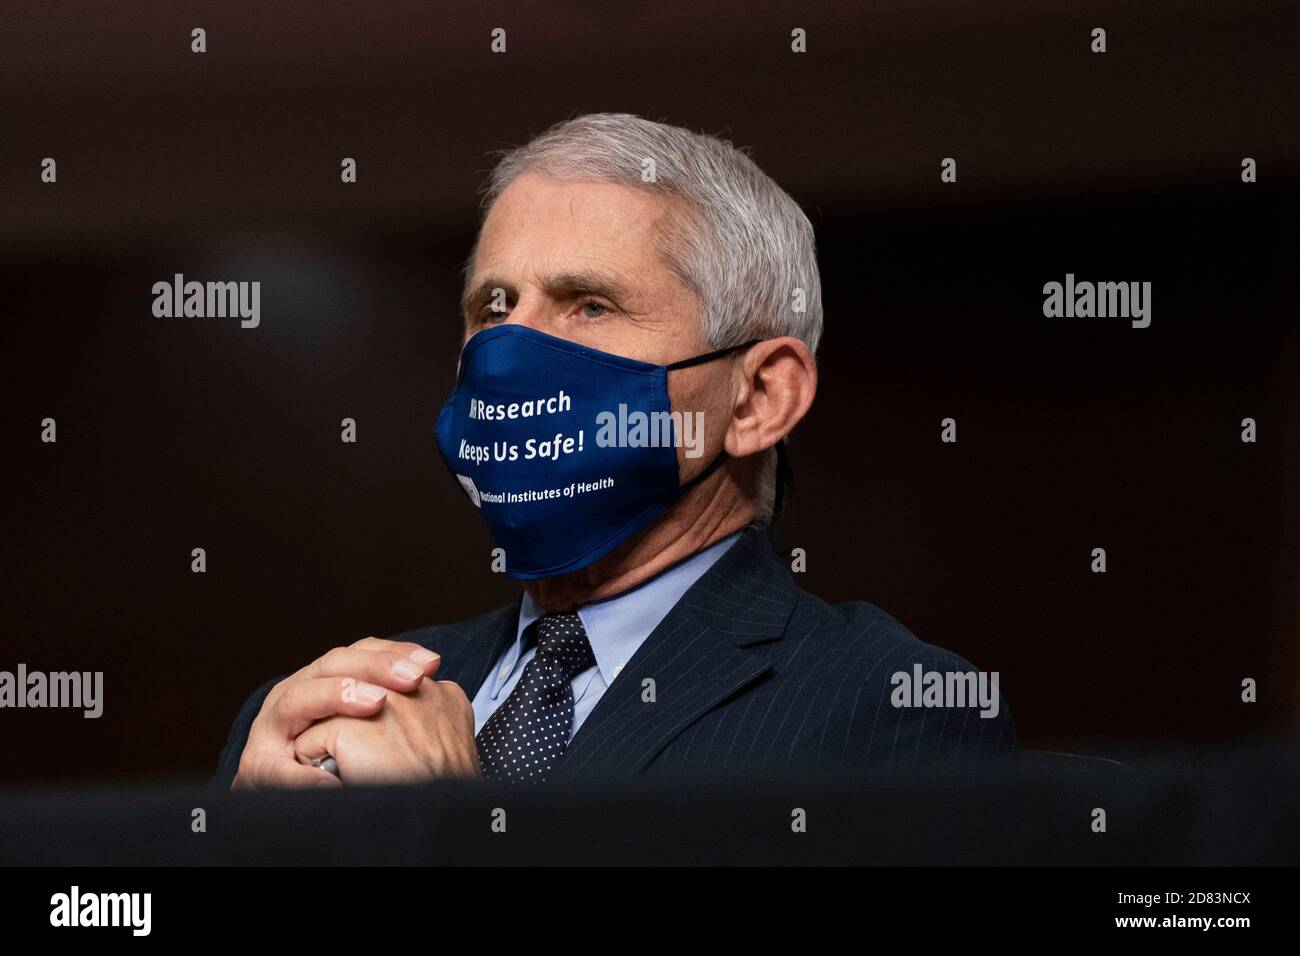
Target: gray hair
(745,248)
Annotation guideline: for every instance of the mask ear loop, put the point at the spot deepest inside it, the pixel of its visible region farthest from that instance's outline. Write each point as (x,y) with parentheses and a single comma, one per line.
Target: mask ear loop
(700,360)
(710,356)
(784,473)
(784,494)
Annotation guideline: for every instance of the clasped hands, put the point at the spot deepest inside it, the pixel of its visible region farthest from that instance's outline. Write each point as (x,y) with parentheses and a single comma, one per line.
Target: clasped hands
(375,707)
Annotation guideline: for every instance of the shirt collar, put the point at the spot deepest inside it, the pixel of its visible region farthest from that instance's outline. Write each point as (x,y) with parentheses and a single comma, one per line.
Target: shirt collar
(618,626)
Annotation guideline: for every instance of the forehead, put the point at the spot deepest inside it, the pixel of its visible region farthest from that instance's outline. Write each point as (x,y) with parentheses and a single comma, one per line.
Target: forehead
(541,224)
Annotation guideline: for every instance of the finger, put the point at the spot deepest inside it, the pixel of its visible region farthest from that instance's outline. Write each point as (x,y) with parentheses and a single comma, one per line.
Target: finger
(408,648)
(289,774)
(456,695)
(312,743)
(395,669)
(273,772)
(305,701)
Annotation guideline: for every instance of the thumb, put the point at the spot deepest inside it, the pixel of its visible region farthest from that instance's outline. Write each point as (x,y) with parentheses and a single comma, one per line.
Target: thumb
(316,741)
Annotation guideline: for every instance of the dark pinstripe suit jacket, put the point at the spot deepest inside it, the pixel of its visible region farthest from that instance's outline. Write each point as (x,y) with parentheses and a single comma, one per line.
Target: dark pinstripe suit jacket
(752,675)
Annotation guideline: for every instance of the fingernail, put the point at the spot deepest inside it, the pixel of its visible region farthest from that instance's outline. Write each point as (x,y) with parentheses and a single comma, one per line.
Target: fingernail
(406,670)
(421,656)
(369,692)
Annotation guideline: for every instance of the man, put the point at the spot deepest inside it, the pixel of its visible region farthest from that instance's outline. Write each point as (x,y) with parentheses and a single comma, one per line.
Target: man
(641,310)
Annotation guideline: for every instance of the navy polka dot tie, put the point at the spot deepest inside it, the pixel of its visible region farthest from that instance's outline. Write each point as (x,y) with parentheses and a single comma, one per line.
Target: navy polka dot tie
(525,736)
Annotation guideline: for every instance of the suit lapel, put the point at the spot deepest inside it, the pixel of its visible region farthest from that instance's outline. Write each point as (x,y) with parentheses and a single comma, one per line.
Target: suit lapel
(482,649)
(705,650)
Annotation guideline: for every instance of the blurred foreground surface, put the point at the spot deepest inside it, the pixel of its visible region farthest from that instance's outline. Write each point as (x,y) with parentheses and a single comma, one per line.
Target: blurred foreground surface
(1230,811)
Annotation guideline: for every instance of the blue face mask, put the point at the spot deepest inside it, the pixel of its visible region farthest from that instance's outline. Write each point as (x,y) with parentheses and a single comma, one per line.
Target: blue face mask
(566,451)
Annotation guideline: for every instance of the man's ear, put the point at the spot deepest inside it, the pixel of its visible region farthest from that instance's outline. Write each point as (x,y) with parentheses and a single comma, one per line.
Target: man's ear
(778,383)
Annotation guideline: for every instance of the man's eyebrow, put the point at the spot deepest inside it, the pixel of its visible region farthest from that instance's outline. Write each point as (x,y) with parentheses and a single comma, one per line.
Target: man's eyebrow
(473,300)
(594,282)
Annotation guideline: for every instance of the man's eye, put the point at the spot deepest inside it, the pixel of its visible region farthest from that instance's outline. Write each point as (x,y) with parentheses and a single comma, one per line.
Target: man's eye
(591,304)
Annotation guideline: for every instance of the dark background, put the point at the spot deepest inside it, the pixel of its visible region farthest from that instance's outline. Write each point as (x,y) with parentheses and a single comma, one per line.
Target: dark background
(183,433)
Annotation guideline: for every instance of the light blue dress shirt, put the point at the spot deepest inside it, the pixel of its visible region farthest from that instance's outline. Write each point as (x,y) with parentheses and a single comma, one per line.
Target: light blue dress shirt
(616,627)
